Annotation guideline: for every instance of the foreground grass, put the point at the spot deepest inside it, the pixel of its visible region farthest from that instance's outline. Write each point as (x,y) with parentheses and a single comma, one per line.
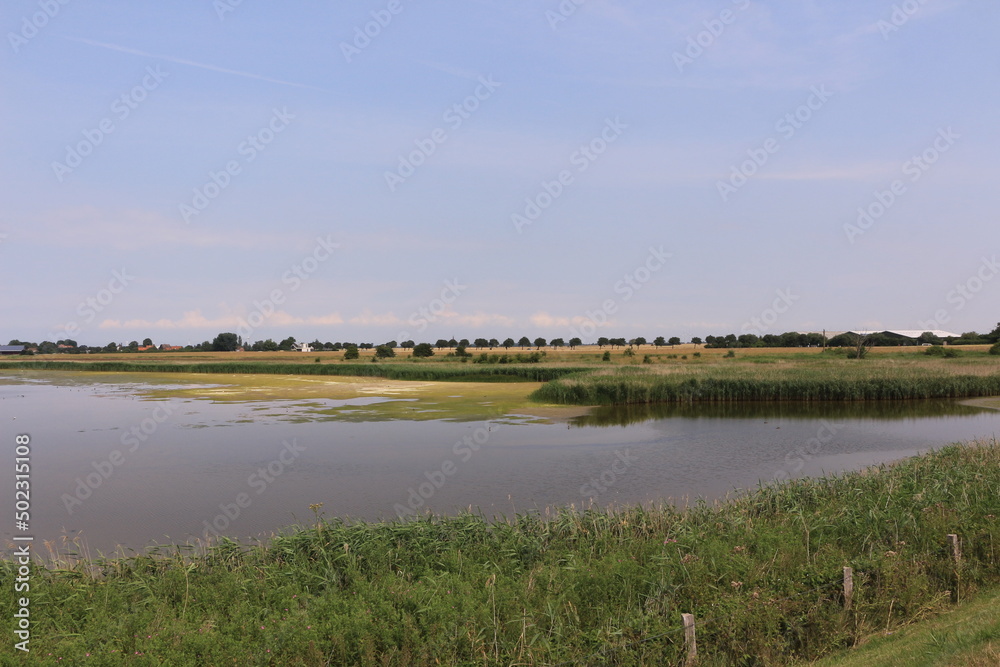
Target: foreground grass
(969,636)
(761,573)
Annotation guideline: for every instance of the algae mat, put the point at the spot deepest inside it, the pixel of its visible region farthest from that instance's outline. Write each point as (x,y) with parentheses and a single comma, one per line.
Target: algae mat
(330,397)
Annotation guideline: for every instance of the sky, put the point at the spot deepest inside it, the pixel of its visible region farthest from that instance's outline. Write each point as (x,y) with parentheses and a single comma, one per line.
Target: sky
(396,169)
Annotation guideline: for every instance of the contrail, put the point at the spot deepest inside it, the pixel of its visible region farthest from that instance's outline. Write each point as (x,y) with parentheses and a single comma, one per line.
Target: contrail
(182,61)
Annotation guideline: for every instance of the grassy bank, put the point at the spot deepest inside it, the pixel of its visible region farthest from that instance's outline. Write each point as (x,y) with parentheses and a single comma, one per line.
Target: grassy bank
(968,636)
(816,380)
(762,574)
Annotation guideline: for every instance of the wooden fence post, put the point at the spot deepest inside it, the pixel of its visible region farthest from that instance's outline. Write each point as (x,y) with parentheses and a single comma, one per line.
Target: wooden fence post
(956,549)
(848,588)
(956,554)
(689,640)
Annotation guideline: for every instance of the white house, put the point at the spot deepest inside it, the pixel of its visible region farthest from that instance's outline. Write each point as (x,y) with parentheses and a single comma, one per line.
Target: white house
(302,347)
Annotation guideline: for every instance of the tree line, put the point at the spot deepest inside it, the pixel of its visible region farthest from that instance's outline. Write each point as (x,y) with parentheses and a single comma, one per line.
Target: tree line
(230,342)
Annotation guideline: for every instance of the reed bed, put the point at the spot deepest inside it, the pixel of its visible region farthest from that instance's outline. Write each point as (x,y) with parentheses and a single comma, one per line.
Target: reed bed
(761,573)
(841,380)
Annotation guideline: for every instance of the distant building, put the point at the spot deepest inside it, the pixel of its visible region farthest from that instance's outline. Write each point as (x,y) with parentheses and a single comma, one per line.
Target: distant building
(909,335)
(143,348)
(170,348)
(11,349)
(302,347)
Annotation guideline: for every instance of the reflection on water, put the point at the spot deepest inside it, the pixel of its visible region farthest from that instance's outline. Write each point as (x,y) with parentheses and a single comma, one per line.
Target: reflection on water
(182,462)
(623,415)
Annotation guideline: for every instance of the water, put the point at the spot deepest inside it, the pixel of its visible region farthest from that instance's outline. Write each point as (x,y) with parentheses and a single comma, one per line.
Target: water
(118,470)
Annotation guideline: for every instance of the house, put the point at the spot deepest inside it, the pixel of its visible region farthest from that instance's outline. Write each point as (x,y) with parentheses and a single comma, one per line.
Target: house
(143,348)
(170,348)
(11,349)
(302,347)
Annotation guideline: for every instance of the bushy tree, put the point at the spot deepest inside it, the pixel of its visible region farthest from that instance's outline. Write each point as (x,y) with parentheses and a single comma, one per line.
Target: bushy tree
(639,340)
(573,342)
(508,343)
(602,341)
(494,343)
(481,343)
(407,344)
(539,342)
(696,340)
(523,342)
(286,344)
(385,352)
(557,342)
(423,350)
(351,352)
(659,341)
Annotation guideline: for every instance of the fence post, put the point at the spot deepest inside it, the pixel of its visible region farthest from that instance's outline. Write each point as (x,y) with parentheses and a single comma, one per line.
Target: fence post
(956,549)
(689,640)
(848,588)
(956,554)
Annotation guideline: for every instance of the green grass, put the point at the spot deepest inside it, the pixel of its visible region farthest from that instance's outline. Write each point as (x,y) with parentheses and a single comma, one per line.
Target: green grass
(762,573)
(969,635)
(819,380)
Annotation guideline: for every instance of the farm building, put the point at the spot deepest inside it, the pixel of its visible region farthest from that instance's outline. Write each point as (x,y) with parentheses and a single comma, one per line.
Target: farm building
(909,335)
(11,349)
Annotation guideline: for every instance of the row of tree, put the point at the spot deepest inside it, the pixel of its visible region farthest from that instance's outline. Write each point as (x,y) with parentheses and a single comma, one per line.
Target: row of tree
(230,342)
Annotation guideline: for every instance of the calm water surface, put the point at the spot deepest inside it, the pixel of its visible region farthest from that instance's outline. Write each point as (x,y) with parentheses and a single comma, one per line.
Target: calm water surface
(188,463)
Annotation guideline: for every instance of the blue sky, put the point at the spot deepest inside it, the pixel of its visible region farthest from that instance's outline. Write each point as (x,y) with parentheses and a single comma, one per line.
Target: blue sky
(494,168)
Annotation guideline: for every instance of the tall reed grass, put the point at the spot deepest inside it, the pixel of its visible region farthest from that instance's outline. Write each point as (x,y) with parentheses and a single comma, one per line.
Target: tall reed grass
(874,382)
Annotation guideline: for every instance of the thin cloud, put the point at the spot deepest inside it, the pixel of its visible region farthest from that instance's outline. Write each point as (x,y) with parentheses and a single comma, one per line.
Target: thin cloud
(192,63)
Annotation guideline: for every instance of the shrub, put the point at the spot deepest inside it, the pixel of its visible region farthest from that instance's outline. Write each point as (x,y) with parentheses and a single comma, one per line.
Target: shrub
(696,355)
(606,356)
(423,350)
(384,352)
(730,354)
(351,352)
(646,359)
(995,349)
